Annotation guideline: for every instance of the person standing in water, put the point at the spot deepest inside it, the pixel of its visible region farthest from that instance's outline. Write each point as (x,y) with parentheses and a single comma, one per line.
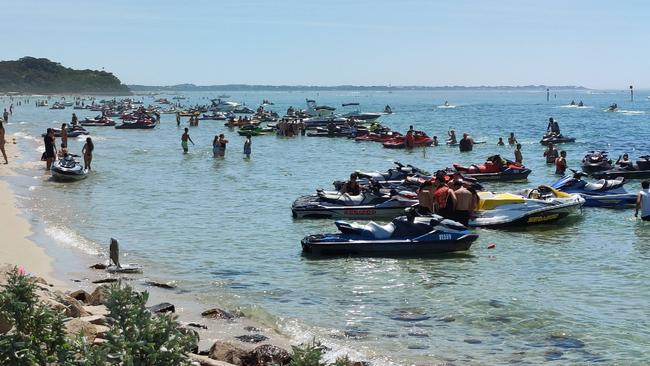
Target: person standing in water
(50,148)
(643,201)
(466,143)
(519,159)
(2,142)
(247,146)
(560,163)
(512,140)
(500,142)
(87,152)
(222,145)
(184,139)
(64,136)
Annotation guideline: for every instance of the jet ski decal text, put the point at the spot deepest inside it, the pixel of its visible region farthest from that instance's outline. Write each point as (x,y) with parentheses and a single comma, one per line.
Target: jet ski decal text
(543,218)
(359,212)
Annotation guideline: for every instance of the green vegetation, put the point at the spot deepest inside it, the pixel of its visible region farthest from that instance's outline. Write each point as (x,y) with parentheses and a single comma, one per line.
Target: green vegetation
(42,76)
(136,336)
(311,354)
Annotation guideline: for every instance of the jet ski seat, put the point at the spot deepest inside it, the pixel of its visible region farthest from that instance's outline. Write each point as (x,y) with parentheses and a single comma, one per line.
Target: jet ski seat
(345,199)
(603,184)
(380,231)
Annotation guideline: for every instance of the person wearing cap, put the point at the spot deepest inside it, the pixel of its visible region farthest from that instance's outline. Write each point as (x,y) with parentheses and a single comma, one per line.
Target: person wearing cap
(466,143)
(444,199)
(114,250)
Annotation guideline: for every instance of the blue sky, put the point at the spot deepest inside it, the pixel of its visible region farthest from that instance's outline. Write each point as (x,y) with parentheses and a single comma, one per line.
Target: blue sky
(599,44)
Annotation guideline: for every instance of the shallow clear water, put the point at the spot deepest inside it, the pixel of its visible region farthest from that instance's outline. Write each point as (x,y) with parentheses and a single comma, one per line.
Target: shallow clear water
(573,293)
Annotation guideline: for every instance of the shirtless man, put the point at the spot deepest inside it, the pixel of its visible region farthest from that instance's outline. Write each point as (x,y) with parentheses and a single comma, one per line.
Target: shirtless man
(351,187)
(465,202)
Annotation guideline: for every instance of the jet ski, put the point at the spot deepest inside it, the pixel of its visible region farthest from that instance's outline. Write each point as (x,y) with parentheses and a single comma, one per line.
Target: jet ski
(555,139)
(419,139)
(252,130)
(638,170)
(531,206)
(145,124)
(382,136)
(596,161)
(612,108)
(495,169)
(97,122)
(72,132)
(603,193)
(396,175)
(67,169)
(403,236)
(371,203)
(215,116)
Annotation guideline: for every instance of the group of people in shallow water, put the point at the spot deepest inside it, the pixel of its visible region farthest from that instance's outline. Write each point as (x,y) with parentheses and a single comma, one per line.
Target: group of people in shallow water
(51,152)
(452,199)
(219,144)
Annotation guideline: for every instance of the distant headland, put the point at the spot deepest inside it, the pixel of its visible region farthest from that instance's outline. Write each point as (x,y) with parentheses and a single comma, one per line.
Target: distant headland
(387,88)
(30,75)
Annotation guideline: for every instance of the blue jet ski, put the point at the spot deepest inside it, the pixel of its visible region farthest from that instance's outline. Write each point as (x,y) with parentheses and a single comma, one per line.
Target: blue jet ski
(602,193)
(403,236)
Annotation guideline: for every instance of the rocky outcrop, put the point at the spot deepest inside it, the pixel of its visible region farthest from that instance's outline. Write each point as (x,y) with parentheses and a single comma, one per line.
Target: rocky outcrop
(216,313)
(268,354)
(227,352)
(98,297)
(264,355)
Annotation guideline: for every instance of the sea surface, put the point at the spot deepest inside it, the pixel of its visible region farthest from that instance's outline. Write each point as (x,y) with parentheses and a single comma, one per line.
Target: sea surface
(571,293)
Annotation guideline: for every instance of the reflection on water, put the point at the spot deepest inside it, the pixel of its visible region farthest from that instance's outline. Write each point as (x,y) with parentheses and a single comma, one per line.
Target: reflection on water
(223,228)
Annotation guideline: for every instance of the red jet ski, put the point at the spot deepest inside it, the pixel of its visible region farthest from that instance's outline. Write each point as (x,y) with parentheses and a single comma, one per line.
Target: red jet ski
(495,169)
(419,139)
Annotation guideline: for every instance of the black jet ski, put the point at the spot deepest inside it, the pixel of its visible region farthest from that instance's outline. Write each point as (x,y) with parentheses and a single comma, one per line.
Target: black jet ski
(371,203)
(596,161)
(403,236)
(556,139)
(603,193)
(638,170)
(395,175)
(73,131)
(67,169)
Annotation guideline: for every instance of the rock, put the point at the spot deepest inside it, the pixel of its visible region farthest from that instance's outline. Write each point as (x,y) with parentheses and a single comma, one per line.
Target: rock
(216,313)
(165,285)
(94,319)
(77,326)
(99,341)
(252,338)
(80,295)
(252,329)
(206,361)
(226,352)
(163,307)
(96,310)
(106,280)
(101,330)
(268,354)
(98,297)
(472,341)
(73,307)
(98,266)
(40,280)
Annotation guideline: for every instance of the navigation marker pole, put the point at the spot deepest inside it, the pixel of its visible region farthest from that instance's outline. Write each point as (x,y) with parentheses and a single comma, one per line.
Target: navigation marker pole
(631,94)
(548,94)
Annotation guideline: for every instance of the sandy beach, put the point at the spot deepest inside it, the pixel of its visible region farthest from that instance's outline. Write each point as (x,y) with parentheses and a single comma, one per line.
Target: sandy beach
(15,246)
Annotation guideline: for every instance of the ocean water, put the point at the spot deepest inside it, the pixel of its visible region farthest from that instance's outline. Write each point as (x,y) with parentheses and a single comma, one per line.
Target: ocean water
(573,293)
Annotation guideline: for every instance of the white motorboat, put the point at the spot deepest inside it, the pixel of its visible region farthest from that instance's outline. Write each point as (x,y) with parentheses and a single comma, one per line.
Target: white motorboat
(358,115)
(531,206)
(315,110)
(220,105)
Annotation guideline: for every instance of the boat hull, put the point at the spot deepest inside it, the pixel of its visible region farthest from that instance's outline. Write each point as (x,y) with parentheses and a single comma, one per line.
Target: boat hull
(392,248)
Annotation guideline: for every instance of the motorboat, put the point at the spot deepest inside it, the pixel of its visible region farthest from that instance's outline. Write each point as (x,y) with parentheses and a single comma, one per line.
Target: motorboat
(403,236)
(67,169)
(358,115)
(388,110)
(220,105)
(603,193)
(595,161)
(371,203)
(495,168)
(57,105)
(638,170)
(420,139)
(243,110)
(528,207)
(316,110)
(555,139)
(215,116)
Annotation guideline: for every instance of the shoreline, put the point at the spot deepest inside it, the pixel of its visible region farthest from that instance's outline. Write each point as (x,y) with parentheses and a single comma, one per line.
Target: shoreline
(27,245)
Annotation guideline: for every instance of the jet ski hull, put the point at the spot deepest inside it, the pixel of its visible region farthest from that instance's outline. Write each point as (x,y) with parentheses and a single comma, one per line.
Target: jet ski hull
(557,140)
(339,244)
(500,176)
(542,215)
(357,212)
(609,200)
(627,174)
